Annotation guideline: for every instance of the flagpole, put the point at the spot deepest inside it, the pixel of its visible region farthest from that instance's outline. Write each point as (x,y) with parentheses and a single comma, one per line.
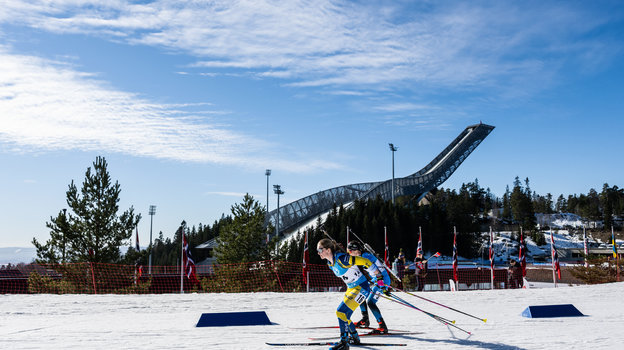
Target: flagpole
(182,263)
(387,256)
(455,258)
(585,248)
(552,256)
(491,257)
(617,258)
(306,256)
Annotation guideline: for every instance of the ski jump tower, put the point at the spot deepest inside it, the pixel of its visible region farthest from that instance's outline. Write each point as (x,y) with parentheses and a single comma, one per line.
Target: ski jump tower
(418,184)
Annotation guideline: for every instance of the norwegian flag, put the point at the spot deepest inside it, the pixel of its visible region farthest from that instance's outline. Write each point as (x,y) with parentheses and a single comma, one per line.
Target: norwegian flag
(491,249)
(455,255)
(419,249)
(189,264)
(387,250)
(521,256)
(306,259)
(585,247)
(555,256)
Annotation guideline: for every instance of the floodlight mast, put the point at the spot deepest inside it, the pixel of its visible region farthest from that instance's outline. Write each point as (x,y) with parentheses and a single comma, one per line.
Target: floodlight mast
(152,212)
(277,189)
(267,173)
(392,149)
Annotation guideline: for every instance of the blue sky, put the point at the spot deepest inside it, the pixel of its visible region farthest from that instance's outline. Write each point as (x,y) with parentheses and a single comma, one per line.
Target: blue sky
(190,102)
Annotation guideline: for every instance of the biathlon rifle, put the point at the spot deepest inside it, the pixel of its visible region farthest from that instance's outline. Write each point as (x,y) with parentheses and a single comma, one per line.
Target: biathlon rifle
(372,251)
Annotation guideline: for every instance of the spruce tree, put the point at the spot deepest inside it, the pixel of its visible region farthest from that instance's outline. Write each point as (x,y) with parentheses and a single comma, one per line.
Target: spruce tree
(94,231)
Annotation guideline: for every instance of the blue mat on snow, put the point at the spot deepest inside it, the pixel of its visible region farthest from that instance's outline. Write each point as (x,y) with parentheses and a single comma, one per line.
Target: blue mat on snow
(563,310)
(221,319)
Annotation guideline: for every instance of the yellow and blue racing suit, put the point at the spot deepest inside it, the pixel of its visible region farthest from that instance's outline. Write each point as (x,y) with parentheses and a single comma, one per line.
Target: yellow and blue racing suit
(358,289)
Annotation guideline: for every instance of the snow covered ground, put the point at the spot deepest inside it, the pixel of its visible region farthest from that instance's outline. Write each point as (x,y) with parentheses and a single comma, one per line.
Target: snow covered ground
(168,321)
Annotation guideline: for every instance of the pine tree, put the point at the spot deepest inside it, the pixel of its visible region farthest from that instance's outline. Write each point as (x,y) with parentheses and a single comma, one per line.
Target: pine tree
(507,204)
(243,239)
(94,232)
(562,204)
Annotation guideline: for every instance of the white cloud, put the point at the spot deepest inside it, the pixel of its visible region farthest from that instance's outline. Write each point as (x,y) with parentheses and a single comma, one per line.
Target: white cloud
(405,106)
(334,43)
(46,105)
(230,194)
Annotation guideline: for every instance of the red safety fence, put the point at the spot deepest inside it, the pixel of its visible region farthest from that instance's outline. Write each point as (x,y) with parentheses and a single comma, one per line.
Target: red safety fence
(261,276)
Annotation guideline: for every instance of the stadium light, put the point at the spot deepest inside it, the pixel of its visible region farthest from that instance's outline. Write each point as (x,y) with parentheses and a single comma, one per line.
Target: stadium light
(267,173)
(152,212)
(392,149)
(278,191)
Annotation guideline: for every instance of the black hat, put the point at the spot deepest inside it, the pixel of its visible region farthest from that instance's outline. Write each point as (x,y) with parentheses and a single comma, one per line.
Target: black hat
(354,245)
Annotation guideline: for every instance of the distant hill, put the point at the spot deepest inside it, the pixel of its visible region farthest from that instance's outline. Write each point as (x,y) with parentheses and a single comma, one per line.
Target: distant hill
(16,255)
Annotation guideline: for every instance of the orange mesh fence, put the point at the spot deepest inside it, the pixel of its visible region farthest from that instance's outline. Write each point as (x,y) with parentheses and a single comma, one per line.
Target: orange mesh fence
(261,276)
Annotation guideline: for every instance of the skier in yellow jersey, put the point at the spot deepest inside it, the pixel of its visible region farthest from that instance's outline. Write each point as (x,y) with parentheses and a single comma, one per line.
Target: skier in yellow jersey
(358,289)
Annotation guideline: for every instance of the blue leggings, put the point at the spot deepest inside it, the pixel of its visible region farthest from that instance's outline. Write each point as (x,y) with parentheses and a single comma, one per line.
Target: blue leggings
(372,304)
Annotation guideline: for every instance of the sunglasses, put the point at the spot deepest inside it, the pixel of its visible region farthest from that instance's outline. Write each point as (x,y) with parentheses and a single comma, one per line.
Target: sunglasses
(320,250)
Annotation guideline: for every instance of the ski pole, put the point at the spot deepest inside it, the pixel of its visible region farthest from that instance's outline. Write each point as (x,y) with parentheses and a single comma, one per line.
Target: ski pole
(434,302)
(400,301)
(372,251)
(440,319)
(437,317)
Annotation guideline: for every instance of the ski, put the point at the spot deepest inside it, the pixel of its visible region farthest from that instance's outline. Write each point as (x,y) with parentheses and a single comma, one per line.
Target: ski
(336,327)
(371,335)
(333,343)
(391,332)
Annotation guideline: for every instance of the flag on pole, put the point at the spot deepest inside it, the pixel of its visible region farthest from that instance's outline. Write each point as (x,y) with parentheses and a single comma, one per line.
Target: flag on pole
(585,248)
(555,256)
(613,242)
(138,248)
(138,266)
(491,249)
(455,255)
(306,259)
(419,249)
(387,249)
(521,256)
(615,254)
(189,264)
(491,258)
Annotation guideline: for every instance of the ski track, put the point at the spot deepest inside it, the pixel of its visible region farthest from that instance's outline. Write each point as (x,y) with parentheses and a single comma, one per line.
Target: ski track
(168,321)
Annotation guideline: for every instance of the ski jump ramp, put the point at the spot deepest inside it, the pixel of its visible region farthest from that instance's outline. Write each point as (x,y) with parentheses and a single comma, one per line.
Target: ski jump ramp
(418,184)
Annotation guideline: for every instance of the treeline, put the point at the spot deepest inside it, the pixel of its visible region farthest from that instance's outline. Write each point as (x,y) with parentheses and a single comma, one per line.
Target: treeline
(92,229)
(471,210)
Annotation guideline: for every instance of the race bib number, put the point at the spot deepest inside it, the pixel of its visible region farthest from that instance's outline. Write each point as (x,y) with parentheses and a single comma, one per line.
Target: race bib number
(360,298)
(376,293)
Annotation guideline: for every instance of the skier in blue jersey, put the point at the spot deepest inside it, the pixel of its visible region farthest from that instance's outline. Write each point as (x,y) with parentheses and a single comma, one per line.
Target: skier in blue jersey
(355,249)
(346,267)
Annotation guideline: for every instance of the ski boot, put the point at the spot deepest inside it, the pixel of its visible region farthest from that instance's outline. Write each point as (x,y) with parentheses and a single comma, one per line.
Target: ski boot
(342,344)
(363,323)
(354,338)
(382,329)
